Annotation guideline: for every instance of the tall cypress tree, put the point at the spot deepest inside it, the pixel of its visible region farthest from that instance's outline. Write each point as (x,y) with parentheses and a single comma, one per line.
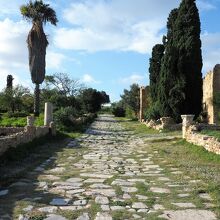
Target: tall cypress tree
(154,70)
(170,90)
(187,40)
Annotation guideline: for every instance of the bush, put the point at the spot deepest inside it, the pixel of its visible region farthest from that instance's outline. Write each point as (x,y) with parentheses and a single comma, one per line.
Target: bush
(152,113)
(118,112)
(63,116)
(16,114)
(67,119)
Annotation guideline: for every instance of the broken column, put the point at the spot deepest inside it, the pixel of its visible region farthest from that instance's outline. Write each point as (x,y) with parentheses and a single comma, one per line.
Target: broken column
(143,102)
(48,114)
(187,122)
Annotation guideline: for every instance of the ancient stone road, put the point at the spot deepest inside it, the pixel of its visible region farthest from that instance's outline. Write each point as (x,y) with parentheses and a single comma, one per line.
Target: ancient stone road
(106,174)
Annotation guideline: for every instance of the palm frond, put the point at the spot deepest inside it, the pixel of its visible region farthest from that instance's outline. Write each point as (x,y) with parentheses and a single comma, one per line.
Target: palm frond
(37,11)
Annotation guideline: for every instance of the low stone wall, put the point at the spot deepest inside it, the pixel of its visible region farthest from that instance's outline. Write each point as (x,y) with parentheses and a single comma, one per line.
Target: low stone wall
(28,134)
(9,130)
(163,123)
(209,143)
(191,132)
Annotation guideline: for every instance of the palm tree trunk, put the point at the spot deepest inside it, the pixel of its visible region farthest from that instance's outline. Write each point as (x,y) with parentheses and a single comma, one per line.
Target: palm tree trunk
(37,100)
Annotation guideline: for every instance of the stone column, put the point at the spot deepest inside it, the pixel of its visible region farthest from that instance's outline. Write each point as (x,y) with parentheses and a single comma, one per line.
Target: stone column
(143,102)
(30,129)
(187,121)
(48,114)
(30,120)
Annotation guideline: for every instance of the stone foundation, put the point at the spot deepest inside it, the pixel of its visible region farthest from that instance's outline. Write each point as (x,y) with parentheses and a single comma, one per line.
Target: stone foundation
(211,87)
(4,131)
(28,134)
(163,123)
(13,137)
(191,132)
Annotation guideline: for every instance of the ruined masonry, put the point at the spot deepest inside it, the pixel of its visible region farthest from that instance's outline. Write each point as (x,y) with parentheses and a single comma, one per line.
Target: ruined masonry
(143,102)
(211,87)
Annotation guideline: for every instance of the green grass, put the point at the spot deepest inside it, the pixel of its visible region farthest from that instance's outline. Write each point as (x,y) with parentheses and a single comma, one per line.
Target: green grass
(136,126)
(215,134)
(19,121)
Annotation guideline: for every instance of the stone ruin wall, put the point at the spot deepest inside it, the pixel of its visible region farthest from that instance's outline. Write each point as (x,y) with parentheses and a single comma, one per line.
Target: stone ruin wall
(28,134)
(13,137)
(211,86)
(191,132)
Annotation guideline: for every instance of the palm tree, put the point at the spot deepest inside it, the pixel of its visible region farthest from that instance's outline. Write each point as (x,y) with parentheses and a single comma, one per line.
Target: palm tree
(39,14)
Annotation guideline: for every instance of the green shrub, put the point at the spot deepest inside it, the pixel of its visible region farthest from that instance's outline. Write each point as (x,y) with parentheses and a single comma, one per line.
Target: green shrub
(63,116)
(152,112)
(118,112)
(16,114)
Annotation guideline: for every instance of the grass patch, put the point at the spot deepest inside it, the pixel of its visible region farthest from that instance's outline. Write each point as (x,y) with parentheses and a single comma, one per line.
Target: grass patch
(118,191)
(121,215)
(199,153)
(142,188)
(136,127)
(6,121)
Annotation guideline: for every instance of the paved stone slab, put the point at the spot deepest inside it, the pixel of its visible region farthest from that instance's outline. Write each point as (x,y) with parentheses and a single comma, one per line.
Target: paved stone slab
(48,209)
(102,200)
(184,205)
(84,216)
(103,216)
(189,214)
(55,217)
(159,190)
(59,202)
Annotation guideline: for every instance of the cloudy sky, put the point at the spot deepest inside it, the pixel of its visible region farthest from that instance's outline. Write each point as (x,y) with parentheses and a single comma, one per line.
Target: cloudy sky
(104,43)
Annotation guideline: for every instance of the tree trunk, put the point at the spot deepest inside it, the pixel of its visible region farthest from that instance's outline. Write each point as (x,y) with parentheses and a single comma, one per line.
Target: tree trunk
(37,100)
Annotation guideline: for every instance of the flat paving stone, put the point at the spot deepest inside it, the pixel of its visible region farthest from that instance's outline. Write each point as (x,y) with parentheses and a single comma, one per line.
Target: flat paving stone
(59,202)
(139,205)
(129,189)
(159,190)
(189,214)
(103,216)
(84,216)
(48,209)
(184,205)
(55,217)
(102,200)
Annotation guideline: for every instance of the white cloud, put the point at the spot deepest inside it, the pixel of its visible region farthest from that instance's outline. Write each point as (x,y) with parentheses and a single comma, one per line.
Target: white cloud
(13,50)
(123,25)
(87,78)
(211,50)
(55,60)
(134,78)
(205,5)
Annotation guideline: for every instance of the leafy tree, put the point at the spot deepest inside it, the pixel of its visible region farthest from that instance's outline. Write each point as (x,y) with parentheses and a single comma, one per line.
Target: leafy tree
(63,84)
(38,13)
(91,100)
(154,70)
(13,99)
(187,39)
(131,98)
(169,98)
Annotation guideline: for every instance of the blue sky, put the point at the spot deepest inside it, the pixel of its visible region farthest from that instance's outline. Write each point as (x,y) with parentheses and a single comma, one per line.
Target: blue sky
(106,44)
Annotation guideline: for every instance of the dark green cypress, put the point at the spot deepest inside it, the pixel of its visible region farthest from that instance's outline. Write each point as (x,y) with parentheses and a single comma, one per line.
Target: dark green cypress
(154,70)
(187,40)
(170,90)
